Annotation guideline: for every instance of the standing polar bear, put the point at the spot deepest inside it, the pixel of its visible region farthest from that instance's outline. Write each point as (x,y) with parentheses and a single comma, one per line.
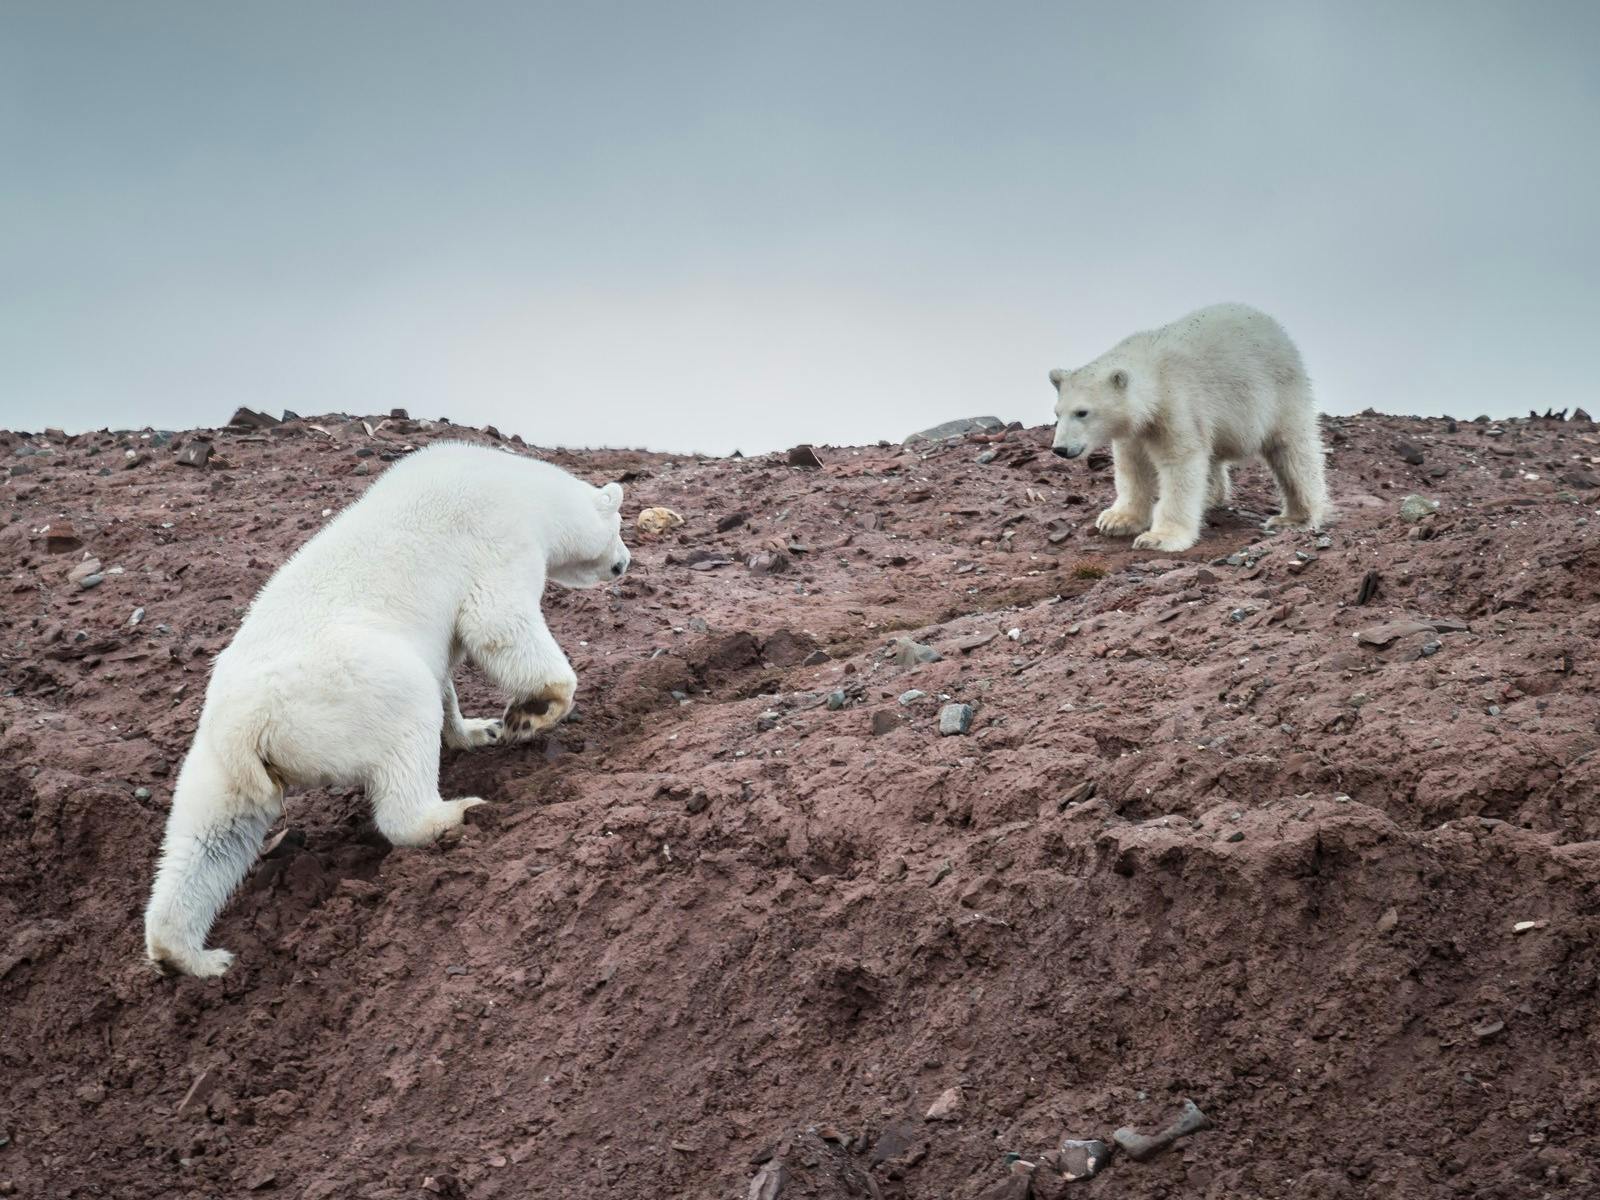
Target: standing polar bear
(1178,404)
(340,673)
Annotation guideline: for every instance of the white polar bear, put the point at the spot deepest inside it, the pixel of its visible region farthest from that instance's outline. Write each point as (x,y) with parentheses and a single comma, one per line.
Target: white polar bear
(340,672)
(1178,404)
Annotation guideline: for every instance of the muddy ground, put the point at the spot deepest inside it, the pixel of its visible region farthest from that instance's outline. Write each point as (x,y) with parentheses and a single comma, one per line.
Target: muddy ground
(1260,826)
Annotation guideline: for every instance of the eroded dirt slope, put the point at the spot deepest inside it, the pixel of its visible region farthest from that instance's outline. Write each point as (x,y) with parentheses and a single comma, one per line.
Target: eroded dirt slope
(1217,831)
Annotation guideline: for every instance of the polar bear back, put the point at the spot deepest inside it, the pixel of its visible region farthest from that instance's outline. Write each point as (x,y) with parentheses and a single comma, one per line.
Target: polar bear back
(1230,368)
(407,552)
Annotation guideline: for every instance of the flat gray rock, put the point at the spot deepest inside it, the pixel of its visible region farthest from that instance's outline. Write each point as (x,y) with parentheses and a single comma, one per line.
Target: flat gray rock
(958,428)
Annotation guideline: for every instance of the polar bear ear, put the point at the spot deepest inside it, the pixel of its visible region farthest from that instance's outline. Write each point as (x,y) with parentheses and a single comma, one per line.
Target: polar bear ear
(609,498)
(1056,376)
(1119,380)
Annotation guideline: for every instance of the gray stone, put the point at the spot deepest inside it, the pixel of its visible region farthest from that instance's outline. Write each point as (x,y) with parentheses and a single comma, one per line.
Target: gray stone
(836,700)
(955,719)
(912,696)
(1139,1146)
(958,428)
(988,456)
(1416,508)
(908,653)
(1083,1158)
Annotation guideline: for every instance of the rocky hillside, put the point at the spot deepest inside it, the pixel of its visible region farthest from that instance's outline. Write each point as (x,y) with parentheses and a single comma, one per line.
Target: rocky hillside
(906,830)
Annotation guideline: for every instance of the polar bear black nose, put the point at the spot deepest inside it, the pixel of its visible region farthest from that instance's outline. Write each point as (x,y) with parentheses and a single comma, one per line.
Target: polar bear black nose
(1064,451)
(616,568)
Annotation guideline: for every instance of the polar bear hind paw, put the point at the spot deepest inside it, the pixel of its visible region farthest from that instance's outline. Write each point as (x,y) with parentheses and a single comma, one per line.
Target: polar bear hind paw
(203,964)
(478,731)
(1288,521)
(1171,543)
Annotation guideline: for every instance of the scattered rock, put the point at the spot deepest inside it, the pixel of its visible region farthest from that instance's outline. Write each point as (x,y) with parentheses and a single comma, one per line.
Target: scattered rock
(1408,453)
(194,1100)
(1416,508)
(1368,591)
(61,538)
(768,562)
(1082,1159)
(768,1182)
(1485,1030)
(836,700)
(656,521)
(1389,919)
(912,696)
(1522,927)
(196,454)
(908,653)
(1383,635)
(732,521)
(957,428)
(884,721)
(88,567)
(955,719)
(977,641)
(947,1107)
(804,456)
(249,418)
(1139,1146)
(987,457)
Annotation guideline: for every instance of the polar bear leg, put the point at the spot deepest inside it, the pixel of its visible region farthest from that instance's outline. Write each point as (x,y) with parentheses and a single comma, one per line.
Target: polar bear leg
(213,835)
(1136,491)
(464,733)
(513,646)
(1295,457)
(1220,489)
(1176,524)
(403,788)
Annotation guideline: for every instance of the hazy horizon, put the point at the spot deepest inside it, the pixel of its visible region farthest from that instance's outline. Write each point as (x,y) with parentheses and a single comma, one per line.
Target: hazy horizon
(699,228)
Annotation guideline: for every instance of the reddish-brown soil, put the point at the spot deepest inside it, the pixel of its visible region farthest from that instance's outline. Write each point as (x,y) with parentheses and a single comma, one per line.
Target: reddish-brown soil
(1201,841)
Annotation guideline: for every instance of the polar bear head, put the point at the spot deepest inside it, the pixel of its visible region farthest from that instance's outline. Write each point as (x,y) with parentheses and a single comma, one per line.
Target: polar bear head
(589,549)
(1094,405)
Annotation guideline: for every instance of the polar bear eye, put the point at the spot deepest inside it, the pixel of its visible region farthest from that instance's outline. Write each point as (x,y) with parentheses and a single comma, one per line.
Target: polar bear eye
(1081,413)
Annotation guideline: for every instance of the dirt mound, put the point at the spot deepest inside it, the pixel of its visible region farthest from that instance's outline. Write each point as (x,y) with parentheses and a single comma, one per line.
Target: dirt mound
(1302,829)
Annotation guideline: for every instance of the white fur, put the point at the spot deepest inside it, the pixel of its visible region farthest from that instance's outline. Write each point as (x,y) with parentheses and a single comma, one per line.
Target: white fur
(340,673)
(1178,405)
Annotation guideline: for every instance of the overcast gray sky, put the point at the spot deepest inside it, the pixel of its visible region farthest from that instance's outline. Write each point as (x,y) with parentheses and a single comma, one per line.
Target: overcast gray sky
(701,226)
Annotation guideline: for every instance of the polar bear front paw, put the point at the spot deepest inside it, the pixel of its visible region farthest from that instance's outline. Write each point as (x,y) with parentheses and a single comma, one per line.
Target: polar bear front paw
(1170,540)
(532,715)
(1120,522)
(475,732)
(1286,521)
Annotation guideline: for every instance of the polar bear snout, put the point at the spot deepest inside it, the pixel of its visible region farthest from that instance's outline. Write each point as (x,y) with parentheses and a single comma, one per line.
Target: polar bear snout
(1066,451)
(620,565)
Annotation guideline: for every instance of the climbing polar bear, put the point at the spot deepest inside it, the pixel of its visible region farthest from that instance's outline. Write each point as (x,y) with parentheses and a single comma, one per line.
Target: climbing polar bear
(1178,404)
(340,673)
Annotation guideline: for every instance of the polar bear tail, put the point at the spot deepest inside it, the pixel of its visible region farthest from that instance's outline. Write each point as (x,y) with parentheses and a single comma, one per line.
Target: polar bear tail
(222,807)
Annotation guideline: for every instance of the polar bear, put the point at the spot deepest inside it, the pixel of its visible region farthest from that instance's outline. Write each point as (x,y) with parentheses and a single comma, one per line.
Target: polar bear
(1178,404)
(340,672)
